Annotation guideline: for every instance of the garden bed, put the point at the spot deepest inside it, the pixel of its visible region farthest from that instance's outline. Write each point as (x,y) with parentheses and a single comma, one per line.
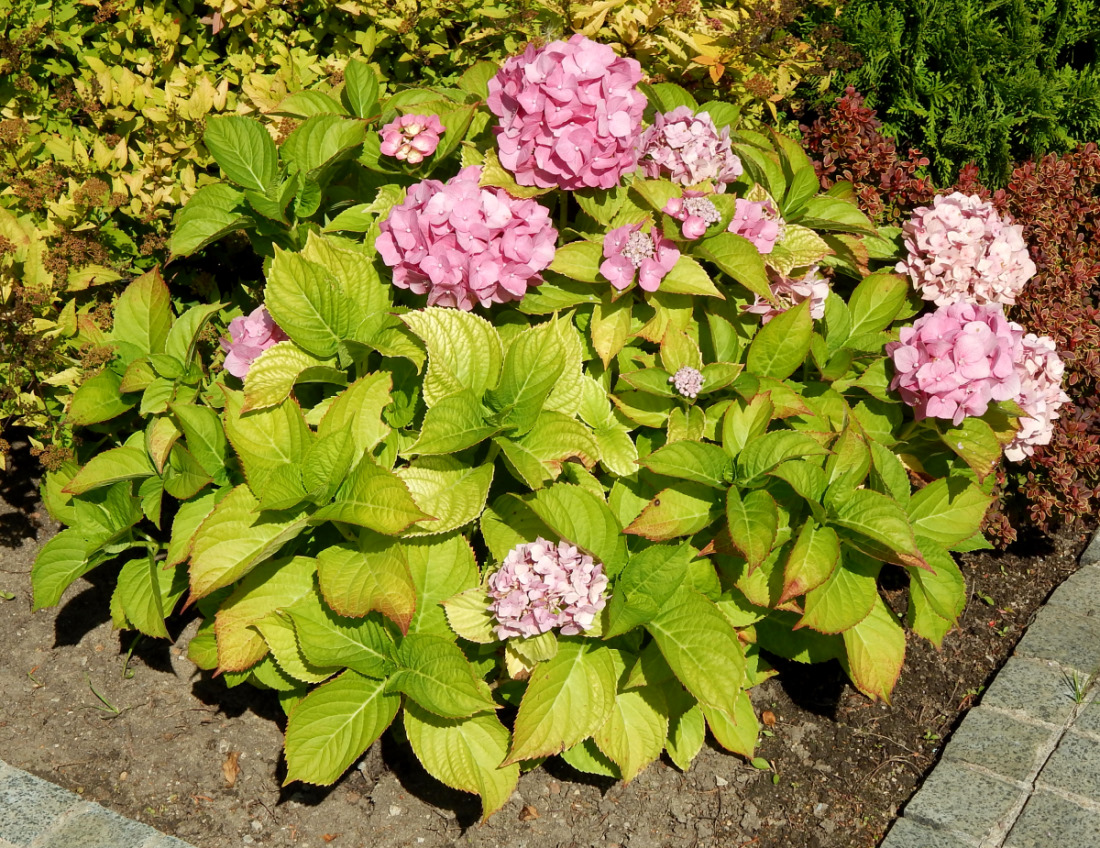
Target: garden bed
(842,764)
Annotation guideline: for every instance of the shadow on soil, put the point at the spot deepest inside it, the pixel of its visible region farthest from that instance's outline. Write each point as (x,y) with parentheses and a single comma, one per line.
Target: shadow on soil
(19,490)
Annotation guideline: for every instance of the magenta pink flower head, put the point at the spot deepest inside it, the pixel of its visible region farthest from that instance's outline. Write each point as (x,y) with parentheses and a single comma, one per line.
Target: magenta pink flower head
(961,249)
(1040,370)
(462,244)
(791,292)
(758,221)
(627,249)
(249,336)
(570,114)
(540,586)
(688,149)
(411,138)
(695,211)
(953,362)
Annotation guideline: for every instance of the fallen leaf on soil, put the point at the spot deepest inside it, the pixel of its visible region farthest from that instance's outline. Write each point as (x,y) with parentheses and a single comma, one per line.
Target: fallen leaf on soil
(328,837)
(528,813)
(231,768)
(768,717)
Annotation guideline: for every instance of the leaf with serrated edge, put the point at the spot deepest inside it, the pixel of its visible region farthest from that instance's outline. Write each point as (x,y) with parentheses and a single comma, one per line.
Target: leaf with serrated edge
(448,489)
(116,464)
(814,555)
(753,523)
(278,633)
(440,567)
(699,462)
(436,674)
(274,372)
(373,498)
(365,645)
(634,734)
(265,439)
(687,729)
(948,510)
(845,598)
(469,616)
(680,510)
(736,731)
(875,652)
(464,351)
(584,519)
(372,576)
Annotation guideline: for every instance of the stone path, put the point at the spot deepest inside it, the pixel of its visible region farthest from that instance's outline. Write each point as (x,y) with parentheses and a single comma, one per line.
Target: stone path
(1023,769)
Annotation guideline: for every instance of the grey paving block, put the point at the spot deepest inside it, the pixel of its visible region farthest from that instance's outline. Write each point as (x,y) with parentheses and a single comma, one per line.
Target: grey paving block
(1000,743)
(1049,820)
(1036,687)
(1080,592)
(1074,766)
(94,827)
(1088,719)
(29,805)
(910,834)
(963,800)
(1065,637)
(1092,552)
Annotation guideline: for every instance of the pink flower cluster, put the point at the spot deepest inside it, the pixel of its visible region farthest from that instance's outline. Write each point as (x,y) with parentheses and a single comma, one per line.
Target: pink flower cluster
(249,336)
(462,244)
(758,221)
(791,292)
(694,211)
(960,248)
(627,249)
(411,138)
(541,586)
(570,114)
(953,362)
(1040,370)
(687,381)
(689,149)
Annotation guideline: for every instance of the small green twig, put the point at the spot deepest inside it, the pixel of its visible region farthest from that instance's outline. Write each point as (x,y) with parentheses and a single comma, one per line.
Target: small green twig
(107,707)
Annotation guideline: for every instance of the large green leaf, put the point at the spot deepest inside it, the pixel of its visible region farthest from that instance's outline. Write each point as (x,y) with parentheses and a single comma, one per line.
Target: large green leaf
(682,509)
(753,522)
(435,673)
(143,317)
(63,559)
(634,734)
(936,597)
(205,437)
(321,140)
(764,453)
(98,399)
(876,302)
(441,567)
(781,346)
(538,455)
(845,598)
(373,575)
(326,639)
(532,366)
(274,372)
(648,581)
(454,423)
(374,498)
(579,260)
(875,652)
(464,351)
(307,302)
(584,519)
(812,558)
(687,729)
(266,439)
(243,150)
(147,593)
(735,731)
(876,517)
(948,510)
(739,258)
(448,489)
(699,462)
(212,212)
(360,93)
(353,270)
(110,466)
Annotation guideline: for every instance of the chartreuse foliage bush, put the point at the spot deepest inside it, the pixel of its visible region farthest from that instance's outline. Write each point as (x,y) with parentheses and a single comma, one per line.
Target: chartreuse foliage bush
(366,520)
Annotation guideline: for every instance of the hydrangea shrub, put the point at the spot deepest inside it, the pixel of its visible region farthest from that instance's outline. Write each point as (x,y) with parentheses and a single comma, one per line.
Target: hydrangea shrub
(530,470)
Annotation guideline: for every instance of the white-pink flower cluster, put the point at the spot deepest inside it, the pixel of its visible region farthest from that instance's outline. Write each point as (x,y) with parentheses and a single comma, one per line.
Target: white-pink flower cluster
(758,221)
(688,149)
(249,336)
(570,115)
(1040,371)
(410,138)
(789,292)
(960,248)
(694,211)
(462,244)
(540,586)
(953,362)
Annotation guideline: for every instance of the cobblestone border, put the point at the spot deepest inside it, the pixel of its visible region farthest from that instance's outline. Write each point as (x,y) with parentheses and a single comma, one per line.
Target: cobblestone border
(36,814)
(1023,769)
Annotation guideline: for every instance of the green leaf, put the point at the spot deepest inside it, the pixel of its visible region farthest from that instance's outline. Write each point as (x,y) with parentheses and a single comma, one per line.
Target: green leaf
(448,489)
(739,258)
(434,672)
(835,215)
(267,439)
(205,437)
(373,576)
(189,517)
(879,518)
(976,444)
(948,510)
(352,269)
(937,596)
(689,277)
(148,592)
(454,423)
(634,734)
(360,94)
(469,617)
(764,453)
(532,366)
(568,699)
(306,104)
(358,411)
(580,517)
(812,559)
(183,477)
(699,462)
(781,346)
(745,422)
(650,578)
(98,399)
(441,567)
(143,316)
(610,327)
(588,759)
(464,351)
(326,639)
(63,559)
(278,632)
(736,731)
(875,652)
(888,475)
(465,754)
(322,140)
(184,334)
(243,150)
(274,372)
(687,730)
(579,260)
(110,466)
(876,301)
(539,455)
(680,510)
(212,212)
(753,524)
(334,724)
(306,302)
(373,498)
(666,96)
(845,598)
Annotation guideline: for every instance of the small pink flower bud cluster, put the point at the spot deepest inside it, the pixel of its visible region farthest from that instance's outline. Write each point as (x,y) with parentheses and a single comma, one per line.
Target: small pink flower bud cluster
(791,292)
(689,149)
(627,249)
(249,336)
(687,381)
(695,211)
(541,586)
(953,362)
(758,221)
(462,244)
(411,138)
(1040,370)
(960,248)
(570,115)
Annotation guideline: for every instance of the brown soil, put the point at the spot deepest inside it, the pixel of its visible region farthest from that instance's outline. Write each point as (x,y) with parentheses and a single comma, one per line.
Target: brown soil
(844,764)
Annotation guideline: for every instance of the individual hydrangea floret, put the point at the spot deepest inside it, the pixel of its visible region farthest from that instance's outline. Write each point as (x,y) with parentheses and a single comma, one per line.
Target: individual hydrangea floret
(695,211)
(687,381)
(570,115)
(688,149)
(540,586)
(788,292)
(462,244)
(627,249)
(960,248)
(952,363)
(758,221)
(411,138)
(1040,370)
(249,336)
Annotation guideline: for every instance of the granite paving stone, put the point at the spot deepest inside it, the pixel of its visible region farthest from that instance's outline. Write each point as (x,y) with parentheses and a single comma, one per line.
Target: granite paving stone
(1050,821)
(1065,637)
(28,805)
(1035,687)
(962,799)
(1088,719)
(1091,556)
(1000,743)
(1074,766)
(1080,593)
(909,834)
(94,827)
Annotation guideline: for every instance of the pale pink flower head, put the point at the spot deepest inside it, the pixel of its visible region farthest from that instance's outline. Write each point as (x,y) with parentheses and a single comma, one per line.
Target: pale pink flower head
(1040,370)
(960,248)
(570,115)
(688,149)
(462,244)
(758,221)
(628,250)
(411,138)
(789,292)
(695,211)
(687,381)
(540,586)
(952,363)
(249,336)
